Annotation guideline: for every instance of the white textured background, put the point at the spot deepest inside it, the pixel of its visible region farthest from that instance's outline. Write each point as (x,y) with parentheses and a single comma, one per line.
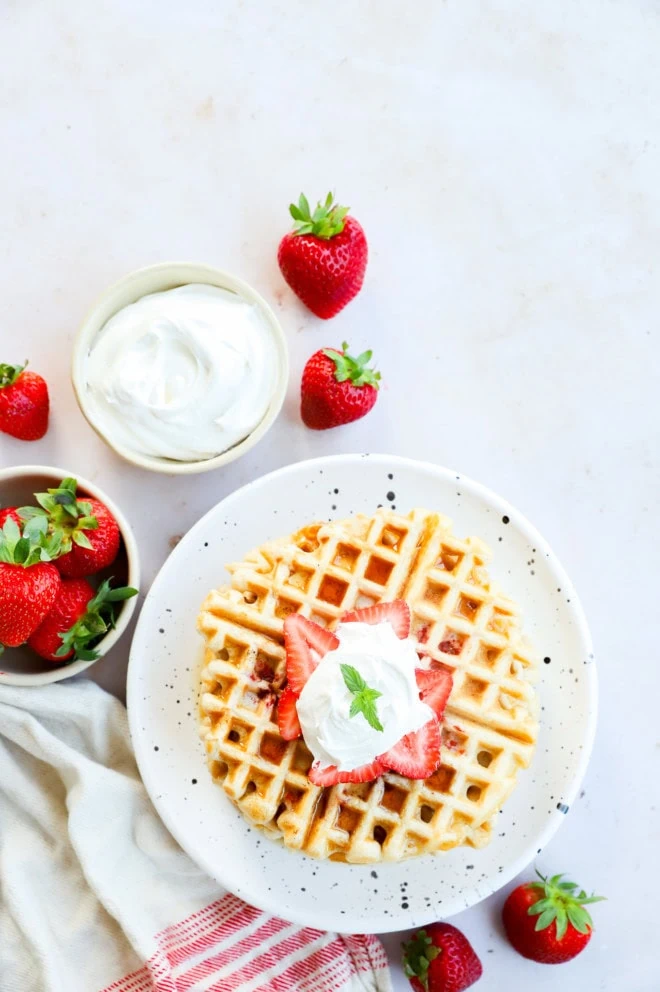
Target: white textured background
(504,160)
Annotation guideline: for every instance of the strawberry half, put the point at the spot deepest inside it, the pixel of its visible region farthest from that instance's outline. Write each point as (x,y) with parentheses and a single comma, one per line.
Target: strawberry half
(397,613)
(302,637)
(417,755)
(24,403)
(435,685)
(287,716)
(332,776)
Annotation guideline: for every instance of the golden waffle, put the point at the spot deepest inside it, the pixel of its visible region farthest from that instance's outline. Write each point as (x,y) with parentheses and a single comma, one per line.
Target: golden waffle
(459,620)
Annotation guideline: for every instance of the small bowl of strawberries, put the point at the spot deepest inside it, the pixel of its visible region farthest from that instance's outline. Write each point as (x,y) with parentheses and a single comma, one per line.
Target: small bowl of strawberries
(69,574)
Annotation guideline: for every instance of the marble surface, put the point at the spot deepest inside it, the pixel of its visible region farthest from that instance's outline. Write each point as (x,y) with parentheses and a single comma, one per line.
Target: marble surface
(504,160)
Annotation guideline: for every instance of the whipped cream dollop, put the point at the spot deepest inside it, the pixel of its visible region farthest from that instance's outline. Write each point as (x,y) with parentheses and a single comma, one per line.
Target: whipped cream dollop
(183,374)
(387,664)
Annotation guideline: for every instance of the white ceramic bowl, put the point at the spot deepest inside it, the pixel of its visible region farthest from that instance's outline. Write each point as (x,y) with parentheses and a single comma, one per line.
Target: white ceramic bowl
(156,279)
(20,666)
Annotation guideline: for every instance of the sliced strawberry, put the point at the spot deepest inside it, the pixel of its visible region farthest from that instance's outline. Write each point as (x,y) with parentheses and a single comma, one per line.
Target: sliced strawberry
(332,776)
(301,637)
(417,755)
(434,685)
(397,613)
(287,716)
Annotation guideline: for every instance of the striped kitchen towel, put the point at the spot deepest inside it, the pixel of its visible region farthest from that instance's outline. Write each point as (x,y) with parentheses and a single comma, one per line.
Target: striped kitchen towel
(95,896)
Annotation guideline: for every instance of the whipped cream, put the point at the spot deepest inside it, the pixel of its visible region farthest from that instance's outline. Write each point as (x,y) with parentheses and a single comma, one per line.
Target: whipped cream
(386,663)
(183,374)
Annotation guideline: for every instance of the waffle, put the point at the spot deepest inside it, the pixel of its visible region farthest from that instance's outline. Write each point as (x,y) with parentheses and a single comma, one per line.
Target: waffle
(459,620)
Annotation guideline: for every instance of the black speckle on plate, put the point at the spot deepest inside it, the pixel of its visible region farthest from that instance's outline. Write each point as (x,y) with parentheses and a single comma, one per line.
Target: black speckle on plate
(505,519)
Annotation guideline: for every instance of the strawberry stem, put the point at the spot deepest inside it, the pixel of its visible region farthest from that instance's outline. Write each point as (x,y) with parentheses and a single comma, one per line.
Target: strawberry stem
(326,221)
(28,546)
(61,515)
(10,373)
(98,618)
(352,369)
(561,903)
(417,956)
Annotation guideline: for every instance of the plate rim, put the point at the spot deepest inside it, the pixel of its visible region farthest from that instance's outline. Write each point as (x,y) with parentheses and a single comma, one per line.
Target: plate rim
(328,919)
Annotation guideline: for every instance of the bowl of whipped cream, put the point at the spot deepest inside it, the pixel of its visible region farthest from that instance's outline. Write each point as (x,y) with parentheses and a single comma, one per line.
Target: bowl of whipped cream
(180,367)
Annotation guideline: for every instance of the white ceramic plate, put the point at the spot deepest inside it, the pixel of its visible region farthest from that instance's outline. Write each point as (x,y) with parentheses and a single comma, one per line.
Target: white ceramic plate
(162,699)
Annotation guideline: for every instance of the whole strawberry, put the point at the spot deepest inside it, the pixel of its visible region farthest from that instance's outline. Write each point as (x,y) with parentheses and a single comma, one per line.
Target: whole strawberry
(86,529)
(324,258)
(441,959)
(546,921)
(24,403)
(28,585)
(337,388)
(78,618)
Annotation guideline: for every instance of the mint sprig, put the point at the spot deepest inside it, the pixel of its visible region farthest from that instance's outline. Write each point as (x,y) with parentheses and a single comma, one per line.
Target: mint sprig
(364,698)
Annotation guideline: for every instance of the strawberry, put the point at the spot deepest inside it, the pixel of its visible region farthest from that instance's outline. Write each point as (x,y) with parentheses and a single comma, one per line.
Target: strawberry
(435,685)
(24,403)
(546,920)
(287,716)
(10,513)
(337,388)
(441,959)
(332,776)
(28,585)
(88,533)
(325,256)
(397,613)
(78,618)
(303,639)
(417,755)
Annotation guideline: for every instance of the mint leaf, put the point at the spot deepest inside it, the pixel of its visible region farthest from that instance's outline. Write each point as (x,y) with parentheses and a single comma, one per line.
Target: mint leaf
(364,697)
(352,678)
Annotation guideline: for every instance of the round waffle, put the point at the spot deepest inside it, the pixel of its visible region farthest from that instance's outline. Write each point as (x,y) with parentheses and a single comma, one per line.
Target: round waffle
(459,620)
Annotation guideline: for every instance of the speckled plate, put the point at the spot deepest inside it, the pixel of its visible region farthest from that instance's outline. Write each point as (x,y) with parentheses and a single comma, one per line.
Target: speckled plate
(167,650)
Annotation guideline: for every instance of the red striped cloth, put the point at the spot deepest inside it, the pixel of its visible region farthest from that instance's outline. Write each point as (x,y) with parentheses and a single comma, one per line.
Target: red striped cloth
(231,947)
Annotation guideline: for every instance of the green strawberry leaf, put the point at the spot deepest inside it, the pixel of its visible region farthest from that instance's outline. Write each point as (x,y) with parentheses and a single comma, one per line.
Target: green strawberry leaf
(10,373)
(28,512)
(354,369)
(562,905)
(418,953)
(324,222)
(96,621)
(80,538)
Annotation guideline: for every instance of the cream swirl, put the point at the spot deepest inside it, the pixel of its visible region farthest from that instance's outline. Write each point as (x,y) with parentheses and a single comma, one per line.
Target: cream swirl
(183,374)
(387,664)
